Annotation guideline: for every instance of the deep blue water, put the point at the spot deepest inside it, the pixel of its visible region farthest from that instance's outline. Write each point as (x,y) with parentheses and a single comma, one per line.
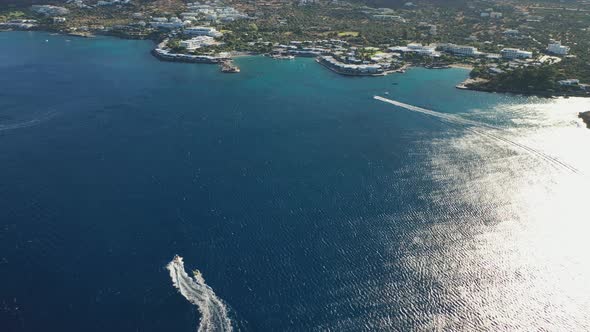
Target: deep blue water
(305,203)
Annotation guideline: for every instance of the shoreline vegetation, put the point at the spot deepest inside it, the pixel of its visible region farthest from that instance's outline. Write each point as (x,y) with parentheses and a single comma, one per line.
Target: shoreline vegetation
(542,81)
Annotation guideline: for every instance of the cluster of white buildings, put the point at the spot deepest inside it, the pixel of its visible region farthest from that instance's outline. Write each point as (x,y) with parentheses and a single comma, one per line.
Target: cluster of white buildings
(198,42)
(78,3)
(49,10)
(308,2)
(113,2)
(429,50)
(168,23)
(163,52)
(555,47)
(312,48)
(459,50)
(203,31)
(19,24)
(491,14)
(351,69)
(213,11)
(176,23)
(383,14)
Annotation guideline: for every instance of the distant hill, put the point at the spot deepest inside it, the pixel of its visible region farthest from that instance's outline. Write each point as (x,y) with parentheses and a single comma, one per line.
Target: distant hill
(373,3)
(4,3)
(401,3)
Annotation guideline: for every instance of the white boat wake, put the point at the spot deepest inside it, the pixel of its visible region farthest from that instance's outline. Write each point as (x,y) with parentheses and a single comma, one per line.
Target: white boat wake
(29,123)
(214,313)
(474,126)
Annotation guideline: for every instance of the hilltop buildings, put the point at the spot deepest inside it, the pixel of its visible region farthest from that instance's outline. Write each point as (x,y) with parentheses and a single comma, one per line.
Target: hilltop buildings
(212,11)
(49,10)
(164,23)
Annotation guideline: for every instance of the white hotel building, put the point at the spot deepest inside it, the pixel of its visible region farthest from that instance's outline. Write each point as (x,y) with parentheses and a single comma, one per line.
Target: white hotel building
(197,42)
(416,48)
(202,31)
(460,49)
(555,47)
(514,53)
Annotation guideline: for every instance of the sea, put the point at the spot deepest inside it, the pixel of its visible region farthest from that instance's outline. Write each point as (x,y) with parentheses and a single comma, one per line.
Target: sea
(304,203)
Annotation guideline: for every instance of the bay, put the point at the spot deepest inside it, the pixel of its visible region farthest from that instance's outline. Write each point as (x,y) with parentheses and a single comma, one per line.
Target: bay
(305,203)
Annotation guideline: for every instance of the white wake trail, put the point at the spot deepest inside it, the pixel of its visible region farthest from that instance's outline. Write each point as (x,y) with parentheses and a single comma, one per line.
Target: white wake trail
(214,313)
(27,124)
(474,124)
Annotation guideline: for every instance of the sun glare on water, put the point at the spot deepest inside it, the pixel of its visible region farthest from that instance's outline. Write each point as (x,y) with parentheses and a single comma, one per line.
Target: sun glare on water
(515,252)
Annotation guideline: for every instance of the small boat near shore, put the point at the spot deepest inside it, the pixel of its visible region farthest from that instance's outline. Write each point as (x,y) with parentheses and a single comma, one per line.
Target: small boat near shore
(282,57)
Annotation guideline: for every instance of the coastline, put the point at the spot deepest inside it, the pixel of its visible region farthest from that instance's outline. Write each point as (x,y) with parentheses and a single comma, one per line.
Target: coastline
(467,84)
(344,73)
(461,66)
(541,94)
(474,84)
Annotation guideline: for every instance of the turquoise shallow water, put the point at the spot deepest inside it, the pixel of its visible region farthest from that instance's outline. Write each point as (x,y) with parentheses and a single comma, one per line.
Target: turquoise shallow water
(305,203)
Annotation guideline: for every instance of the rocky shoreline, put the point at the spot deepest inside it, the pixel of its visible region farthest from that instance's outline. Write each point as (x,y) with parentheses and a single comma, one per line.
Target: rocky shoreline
(585,116)
(475,85)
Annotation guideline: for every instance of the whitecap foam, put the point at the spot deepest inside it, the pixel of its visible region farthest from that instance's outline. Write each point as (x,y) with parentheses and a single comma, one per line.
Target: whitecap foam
(214,313)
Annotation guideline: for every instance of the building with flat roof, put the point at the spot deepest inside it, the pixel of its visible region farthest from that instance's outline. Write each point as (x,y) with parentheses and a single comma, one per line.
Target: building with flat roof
(555,47)
(515,53)
(463,50)
(198,42)
(418,48)
(569,82)
(202,31)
